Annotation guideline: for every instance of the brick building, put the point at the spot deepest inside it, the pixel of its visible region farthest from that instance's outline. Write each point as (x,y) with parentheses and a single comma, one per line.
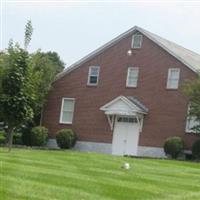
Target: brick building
(126,96)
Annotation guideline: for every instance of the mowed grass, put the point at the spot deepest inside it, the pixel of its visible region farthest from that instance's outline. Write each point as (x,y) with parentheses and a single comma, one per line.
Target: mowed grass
(67,175)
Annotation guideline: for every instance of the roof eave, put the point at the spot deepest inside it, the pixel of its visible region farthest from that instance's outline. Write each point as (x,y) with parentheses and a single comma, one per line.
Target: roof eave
(95,52)
(166,49)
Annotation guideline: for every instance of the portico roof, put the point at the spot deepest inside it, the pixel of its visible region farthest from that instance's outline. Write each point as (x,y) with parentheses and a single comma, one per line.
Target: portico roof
(128,106)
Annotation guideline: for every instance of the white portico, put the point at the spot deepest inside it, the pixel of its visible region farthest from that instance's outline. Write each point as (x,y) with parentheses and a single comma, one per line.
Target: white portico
(125,116)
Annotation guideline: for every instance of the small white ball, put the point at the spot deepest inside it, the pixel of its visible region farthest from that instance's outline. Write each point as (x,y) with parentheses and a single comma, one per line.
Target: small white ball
(126,166)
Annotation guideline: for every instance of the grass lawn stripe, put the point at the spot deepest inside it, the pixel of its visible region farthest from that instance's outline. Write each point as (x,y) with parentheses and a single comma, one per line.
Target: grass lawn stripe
(37,174)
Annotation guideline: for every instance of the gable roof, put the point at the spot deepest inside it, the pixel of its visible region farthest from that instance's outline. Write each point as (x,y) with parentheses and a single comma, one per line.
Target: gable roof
(134,105)
(187,57)
(138,103)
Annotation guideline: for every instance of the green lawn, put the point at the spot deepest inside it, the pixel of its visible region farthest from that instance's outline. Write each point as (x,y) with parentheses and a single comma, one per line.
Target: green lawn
(37,174)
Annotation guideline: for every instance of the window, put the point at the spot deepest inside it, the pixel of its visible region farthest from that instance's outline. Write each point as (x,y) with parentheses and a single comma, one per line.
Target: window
(136,41)
(93,75)
(191,123)
(67,111)
(173,78)
(127,119)
(132,77)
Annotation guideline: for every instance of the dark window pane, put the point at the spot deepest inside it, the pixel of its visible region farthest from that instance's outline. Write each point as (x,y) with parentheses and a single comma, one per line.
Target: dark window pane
(93,79)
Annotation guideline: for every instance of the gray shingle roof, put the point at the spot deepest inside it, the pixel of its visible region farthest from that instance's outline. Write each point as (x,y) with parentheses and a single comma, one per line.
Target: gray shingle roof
(135,101)
(187,57)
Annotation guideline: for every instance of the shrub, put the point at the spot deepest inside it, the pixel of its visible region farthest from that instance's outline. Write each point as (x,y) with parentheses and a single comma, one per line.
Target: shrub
(2,137)
(26,137)
(17,138)
(196,150)
(173,146)
(39,136)
(66,138)
(26,134)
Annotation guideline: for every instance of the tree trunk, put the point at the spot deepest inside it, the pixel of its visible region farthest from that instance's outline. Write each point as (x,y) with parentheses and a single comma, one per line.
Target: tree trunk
(41,116)
(10,138)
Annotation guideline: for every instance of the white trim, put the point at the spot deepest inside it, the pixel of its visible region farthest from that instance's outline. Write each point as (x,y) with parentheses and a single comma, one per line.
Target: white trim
(169,78)
(61,110)
(136,69)
(141,121)
(111,120)
(89,74)
(113,114)
(113,42)
(133,39)
(125,100)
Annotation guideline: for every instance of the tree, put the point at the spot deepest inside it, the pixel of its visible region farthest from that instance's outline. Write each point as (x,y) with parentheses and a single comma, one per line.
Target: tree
(44,68)
(2,71)
(191,89)
(25,80)
(16,95)
(28,34)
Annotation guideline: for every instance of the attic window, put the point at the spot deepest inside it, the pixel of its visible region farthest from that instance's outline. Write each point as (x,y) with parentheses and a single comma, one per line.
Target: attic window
(93,75)
(137,41)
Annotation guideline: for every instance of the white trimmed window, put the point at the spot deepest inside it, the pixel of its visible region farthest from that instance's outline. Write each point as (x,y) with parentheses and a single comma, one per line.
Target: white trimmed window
(191,122)
(132,77)
(136,41)
(173,78)
(93,75)
(67,110)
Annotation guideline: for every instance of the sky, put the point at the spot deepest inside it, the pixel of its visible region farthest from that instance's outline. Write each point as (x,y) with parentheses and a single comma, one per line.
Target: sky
(75,28)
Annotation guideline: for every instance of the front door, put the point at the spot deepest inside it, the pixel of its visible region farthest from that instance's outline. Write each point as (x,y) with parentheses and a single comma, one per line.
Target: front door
(125,136)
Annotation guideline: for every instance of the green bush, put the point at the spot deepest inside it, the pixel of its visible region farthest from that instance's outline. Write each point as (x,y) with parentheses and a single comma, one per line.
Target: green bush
(2,137)
(26,134)
(174,146)
(196,150)
(17,138)
(39,136)
(26,137)
(66,138)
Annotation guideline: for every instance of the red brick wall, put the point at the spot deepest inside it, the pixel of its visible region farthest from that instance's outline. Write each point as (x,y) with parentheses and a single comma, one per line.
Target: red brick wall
(167,108)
